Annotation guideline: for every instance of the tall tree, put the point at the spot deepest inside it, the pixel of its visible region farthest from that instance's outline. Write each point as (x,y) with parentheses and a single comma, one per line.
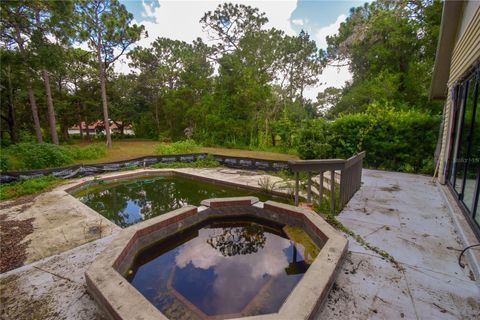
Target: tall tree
(106,25)
(302,63)
(174,76)
(16,20)
(10,82)
(229,23)
(51,19)
(389,47)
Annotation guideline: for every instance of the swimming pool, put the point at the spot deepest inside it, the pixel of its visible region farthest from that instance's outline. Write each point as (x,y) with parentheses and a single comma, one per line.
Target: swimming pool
(129,201)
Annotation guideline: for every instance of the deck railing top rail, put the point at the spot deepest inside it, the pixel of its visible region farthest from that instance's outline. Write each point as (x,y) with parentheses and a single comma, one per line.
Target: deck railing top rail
(324,164)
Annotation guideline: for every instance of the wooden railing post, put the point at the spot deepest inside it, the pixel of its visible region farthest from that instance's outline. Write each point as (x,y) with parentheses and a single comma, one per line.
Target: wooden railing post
(320,190)
(332,191)
(309,187)
(296,188)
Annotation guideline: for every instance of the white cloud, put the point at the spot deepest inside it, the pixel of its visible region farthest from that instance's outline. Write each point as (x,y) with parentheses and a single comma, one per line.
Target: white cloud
(332,76)
(246,273)
(298,22)
(330,30)
(180,20)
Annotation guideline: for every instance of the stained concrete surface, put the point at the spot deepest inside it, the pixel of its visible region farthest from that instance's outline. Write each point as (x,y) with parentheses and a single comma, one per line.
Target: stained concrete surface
(402,214)
(60,223)
(406,216)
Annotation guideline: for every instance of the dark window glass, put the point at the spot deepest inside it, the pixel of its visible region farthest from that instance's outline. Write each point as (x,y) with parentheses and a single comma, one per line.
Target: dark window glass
(458,126)
(462,153)
(474,154)
(477,212)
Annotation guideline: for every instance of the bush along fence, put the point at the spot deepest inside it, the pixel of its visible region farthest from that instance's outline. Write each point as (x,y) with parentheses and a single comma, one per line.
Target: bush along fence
(92,169)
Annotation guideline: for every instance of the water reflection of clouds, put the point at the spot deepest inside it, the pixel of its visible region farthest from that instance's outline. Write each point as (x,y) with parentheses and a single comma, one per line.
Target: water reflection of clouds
(239,275)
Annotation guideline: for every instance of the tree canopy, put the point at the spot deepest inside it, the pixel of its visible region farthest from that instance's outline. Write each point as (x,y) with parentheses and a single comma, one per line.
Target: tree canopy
(241,84)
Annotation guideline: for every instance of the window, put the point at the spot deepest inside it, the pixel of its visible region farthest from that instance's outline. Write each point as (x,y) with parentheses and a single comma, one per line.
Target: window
(464,173)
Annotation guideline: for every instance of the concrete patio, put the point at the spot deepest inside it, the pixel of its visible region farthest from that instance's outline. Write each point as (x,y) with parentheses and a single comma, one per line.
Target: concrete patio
(405,215)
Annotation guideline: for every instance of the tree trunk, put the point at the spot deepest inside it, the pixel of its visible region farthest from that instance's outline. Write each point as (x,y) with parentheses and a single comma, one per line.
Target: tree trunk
(101,71)
(33,105)
(87,132)
(80,128)
(51,112)
(157,119)
(31,96)
(64,131)
(11,108)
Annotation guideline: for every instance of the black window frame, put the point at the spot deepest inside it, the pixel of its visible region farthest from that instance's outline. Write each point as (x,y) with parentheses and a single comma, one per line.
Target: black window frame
(459,104)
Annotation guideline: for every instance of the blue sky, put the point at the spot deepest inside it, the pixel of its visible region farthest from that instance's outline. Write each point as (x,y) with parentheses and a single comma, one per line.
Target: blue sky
(318,14)
(178,19)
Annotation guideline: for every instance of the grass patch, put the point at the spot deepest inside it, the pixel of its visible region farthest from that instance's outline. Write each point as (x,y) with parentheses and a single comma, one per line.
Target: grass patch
(179,147)
(24,187)
(130,149)
(88,152)
(26,156)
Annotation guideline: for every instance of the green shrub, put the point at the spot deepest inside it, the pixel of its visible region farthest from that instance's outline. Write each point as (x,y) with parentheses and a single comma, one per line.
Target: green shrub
(29,156)
(3,161)
(393,139)
(24,187)
(179,147)
(314,140)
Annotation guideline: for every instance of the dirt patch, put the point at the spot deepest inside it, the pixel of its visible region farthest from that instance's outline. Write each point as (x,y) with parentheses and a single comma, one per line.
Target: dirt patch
(26,201)
(13,248)
(392,188)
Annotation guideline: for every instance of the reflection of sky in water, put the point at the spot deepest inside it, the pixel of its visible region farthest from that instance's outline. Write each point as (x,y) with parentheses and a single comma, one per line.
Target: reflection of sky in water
(252,283)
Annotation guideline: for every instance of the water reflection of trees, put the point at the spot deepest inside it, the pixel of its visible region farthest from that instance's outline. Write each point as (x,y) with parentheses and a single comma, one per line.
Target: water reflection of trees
(238,240)
(127,203)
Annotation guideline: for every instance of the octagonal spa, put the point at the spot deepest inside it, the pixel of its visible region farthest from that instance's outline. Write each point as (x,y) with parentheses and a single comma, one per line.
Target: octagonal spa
(229,258)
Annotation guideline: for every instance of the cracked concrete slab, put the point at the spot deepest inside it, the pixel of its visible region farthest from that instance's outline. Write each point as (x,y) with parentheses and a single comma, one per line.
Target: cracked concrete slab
(406,216)
(403,214)
(60,223)
(53,288)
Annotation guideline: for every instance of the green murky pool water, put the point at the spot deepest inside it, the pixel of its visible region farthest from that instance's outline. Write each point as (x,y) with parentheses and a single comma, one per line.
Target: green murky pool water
(127,202)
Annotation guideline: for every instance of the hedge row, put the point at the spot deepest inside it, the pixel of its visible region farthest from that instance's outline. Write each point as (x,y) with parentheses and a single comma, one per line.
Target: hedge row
(394,139)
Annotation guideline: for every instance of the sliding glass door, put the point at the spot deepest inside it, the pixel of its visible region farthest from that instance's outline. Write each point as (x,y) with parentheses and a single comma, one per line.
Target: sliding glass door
(464,173)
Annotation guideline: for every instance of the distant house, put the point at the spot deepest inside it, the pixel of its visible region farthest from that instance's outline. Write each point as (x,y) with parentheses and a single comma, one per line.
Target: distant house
(456,78)
(98,128)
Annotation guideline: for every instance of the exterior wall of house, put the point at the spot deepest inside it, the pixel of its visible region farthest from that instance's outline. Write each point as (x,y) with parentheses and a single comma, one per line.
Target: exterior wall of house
(466,53)
(127,132)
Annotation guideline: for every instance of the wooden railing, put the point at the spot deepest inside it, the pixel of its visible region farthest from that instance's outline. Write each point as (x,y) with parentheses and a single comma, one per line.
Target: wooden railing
(350,177)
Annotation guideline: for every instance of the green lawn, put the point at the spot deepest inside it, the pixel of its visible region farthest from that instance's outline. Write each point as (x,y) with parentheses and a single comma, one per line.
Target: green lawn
(129,149)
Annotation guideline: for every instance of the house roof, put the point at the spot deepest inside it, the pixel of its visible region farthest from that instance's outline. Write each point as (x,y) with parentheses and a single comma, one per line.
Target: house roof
(452,11)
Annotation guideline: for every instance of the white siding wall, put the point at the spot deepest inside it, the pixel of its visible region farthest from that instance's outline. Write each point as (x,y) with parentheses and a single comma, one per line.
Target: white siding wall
(465,54)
